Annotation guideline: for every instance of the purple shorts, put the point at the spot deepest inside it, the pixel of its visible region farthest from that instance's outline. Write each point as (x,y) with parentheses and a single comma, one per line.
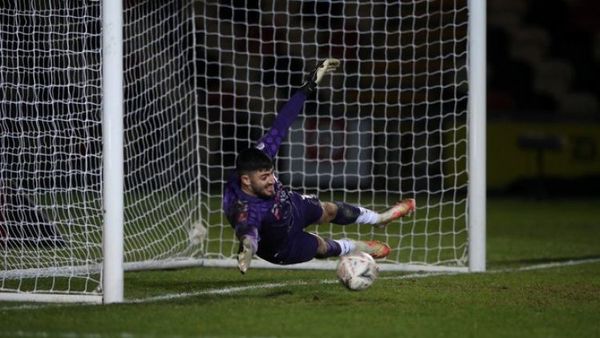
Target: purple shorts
(299,245)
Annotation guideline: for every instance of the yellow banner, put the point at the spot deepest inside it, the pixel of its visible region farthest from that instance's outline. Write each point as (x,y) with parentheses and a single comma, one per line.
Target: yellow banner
(523,150)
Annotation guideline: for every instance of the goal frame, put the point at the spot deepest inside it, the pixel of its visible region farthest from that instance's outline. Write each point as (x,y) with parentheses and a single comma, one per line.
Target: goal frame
(476,187)
(113,266)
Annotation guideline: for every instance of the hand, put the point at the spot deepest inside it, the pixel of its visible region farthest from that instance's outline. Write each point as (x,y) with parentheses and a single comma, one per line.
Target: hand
(245,254)
(326,67)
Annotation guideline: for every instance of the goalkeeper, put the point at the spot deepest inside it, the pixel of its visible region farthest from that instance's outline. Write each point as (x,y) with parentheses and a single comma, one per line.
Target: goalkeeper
(270,220)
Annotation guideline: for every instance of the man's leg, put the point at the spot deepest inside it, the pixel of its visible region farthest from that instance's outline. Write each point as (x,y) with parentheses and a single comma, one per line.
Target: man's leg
(343,213)
(302,246)
(340,247)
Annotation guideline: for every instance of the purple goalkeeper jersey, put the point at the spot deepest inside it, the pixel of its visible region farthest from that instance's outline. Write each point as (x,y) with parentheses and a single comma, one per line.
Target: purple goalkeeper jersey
(265,219)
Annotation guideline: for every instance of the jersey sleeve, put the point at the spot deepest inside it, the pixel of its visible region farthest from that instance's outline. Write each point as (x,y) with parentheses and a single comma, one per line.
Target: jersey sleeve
(271,141)
(246,222)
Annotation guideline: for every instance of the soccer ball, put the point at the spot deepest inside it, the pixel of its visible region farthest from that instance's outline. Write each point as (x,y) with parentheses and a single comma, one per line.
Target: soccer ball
(357,271)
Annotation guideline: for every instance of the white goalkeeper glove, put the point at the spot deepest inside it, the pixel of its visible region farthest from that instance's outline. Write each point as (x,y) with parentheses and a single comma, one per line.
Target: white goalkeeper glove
(245,254)
(313,78)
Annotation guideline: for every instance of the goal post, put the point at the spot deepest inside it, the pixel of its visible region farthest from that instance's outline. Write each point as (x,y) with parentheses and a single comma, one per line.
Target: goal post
(477,135)
(113,165)
(118,132)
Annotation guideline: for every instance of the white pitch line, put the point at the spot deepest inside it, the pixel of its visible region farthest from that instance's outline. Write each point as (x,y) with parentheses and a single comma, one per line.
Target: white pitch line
(219,291)
(238,289)
(551,265)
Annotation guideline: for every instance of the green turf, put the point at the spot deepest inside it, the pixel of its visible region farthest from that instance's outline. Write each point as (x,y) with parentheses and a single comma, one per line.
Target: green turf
(554,302)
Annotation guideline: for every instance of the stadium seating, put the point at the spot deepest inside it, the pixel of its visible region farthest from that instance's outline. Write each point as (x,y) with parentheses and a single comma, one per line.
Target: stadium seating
(542,57)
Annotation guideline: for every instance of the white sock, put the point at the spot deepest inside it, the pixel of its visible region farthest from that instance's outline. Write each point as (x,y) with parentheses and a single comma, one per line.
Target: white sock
(367,216)
(346,245)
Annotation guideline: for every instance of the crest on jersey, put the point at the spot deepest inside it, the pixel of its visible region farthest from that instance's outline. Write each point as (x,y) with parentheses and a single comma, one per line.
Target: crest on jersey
(281,198)
(241,212)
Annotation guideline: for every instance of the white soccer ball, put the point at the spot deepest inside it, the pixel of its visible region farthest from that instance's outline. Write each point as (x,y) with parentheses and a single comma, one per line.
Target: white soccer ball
(357,271)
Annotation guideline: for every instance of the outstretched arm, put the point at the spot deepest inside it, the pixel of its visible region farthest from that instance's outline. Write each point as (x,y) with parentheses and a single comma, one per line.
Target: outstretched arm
(271,141)
(246,221)
(248,247)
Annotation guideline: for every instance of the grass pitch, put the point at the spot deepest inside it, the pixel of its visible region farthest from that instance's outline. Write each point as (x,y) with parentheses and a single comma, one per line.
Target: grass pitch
(543,281)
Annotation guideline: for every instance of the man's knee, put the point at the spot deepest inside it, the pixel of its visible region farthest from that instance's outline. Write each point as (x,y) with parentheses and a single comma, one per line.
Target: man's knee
(339,213)
(321,248)
(329,211)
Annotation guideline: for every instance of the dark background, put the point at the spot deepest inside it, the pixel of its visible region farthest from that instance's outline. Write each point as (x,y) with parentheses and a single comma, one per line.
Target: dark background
(542,98)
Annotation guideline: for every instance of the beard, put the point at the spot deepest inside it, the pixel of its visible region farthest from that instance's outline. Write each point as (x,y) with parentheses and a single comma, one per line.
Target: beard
(266,192)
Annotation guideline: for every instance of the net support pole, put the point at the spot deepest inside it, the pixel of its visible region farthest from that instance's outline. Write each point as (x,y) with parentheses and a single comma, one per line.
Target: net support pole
(477,134)
(112,136)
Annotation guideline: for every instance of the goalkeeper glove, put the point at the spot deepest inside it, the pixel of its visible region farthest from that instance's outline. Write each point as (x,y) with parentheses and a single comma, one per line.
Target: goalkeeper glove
(314,78)
(245,254)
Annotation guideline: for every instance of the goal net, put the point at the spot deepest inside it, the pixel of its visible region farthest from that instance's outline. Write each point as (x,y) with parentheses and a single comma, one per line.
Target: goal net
(203,80)
(391,124)
(51,142)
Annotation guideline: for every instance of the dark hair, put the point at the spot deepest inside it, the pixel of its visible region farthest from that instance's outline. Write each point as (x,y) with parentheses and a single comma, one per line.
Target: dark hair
(252,159)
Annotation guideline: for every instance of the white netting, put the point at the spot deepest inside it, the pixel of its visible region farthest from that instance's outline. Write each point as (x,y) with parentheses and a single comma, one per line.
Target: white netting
(50,165)
(203,81)
(390,125)
(51,142)
(161,132)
